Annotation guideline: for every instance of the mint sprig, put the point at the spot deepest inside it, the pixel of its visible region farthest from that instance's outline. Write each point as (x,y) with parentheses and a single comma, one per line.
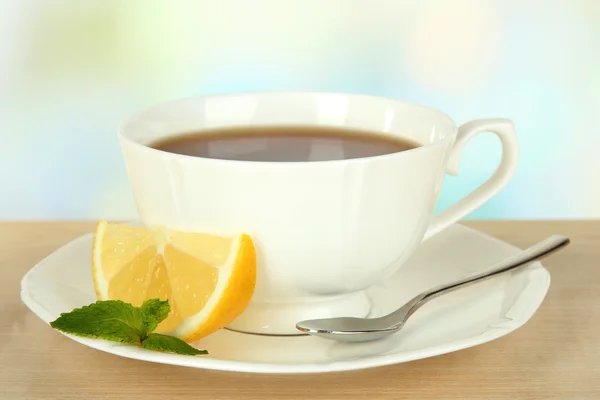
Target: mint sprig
(118,321)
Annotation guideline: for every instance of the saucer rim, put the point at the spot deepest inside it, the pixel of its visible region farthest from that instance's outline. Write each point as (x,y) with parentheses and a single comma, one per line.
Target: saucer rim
(537,286)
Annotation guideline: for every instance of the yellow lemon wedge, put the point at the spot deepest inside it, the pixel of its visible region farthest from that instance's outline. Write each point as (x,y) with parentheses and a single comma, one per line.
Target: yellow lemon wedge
(208,280)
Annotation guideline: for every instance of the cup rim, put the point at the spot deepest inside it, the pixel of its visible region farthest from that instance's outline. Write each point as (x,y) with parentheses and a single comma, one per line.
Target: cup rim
(144,147)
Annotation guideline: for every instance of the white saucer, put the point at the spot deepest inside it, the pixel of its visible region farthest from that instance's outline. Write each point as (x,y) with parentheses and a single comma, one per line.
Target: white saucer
(466,318)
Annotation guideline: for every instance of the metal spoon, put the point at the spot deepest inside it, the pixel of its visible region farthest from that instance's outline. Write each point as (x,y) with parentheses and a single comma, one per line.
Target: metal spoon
(367,329)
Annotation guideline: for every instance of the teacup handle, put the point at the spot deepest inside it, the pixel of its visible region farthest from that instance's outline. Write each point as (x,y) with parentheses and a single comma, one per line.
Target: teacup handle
(505,130)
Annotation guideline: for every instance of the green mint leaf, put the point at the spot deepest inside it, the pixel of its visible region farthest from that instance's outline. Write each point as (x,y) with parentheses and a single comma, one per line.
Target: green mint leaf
(154,311)
(110,319)
(118,321)
(156,341)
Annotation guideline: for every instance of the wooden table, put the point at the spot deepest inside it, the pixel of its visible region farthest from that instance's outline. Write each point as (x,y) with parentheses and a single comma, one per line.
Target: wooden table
(556,355)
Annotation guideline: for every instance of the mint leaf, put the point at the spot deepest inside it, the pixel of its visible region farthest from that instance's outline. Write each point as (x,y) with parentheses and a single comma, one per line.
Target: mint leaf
(110,319)
(154,311)
(156,341)
(118,321)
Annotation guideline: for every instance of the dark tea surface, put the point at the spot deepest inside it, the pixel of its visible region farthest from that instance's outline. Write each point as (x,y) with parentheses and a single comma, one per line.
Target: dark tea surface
(284,143)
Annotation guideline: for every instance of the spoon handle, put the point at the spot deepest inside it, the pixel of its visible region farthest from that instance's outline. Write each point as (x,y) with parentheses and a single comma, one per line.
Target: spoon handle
(535,252)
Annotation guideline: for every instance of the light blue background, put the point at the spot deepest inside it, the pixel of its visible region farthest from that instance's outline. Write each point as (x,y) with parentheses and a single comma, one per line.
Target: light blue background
(71,71)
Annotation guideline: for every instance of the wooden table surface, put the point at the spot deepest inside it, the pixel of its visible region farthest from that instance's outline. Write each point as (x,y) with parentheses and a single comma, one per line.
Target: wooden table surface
(556,355)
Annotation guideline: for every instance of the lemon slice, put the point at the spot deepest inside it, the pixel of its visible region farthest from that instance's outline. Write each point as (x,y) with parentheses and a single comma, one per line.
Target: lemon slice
(208,280)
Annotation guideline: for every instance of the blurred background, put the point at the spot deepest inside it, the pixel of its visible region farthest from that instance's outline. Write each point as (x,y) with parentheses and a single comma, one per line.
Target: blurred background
(70,71)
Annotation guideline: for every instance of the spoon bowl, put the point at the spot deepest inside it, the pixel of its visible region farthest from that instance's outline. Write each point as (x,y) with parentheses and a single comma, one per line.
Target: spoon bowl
(352,329)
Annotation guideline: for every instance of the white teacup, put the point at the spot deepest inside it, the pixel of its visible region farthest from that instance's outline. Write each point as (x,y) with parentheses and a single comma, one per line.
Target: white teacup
(324,231)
